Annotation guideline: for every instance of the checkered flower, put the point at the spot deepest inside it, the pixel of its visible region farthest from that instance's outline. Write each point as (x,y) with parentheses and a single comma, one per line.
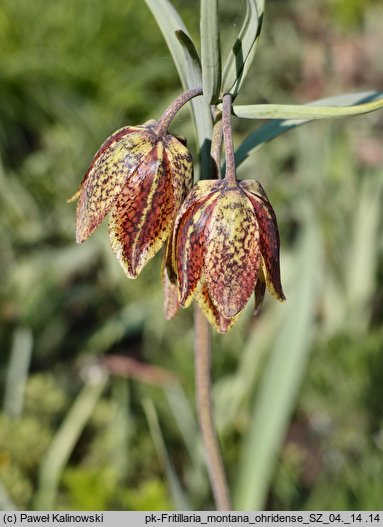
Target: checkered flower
(225,247)
(141,176)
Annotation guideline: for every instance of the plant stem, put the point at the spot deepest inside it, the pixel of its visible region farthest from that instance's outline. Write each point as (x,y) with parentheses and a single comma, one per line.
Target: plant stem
(173,108)
(202,346)
(230,175)
(216,146)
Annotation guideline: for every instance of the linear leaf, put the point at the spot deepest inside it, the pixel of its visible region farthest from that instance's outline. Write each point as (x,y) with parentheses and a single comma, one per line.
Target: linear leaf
(242,54)
(363,248)
(282,378)
(299,111)
(276,127)
(170,24)
(66,438)
(176,491)
(169,21)
(201,110)
(17,372)
(192,60)
(210,50)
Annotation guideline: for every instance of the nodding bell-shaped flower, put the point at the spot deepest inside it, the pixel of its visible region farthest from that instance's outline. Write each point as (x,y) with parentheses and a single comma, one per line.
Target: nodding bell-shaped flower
(141,175)
(225,247)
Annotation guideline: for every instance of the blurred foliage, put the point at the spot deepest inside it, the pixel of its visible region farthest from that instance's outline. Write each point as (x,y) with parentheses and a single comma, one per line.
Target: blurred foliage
(69,77)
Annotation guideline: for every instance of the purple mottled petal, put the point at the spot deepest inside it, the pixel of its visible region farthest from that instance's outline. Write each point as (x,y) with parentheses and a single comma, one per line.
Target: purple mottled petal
(232,257)
(269,236)
(142,217)
(187,246)
(214,317)
(113,164)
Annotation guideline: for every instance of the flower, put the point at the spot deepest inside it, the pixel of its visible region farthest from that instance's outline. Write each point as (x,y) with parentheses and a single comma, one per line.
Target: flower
(141,176)
(225,246)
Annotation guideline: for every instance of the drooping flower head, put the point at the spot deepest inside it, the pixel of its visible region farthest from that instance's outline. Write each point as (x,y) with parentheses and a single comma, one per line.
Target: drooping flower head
(140,175)
(226,247)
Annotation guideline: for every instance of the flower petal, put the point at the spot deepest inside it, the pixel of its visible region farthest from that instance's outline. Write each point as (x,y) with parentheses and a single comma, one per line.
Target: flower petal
(171,304)
(259,295)
(181,163)
(232,257)
(187,249)
(269,236)
(214,317)
(112,165)
(142,217)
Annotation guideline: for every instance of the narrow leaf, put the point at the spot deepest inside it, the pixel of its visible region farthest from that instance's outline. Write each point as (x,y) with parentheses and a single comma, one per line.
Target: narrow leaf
(363,249)
(201,110)
(17,372)
(170,24)
(66,438)
(276,127)
(242,54)
(176,491)
(210,50)
(281,380)
(192,60)
(298,111)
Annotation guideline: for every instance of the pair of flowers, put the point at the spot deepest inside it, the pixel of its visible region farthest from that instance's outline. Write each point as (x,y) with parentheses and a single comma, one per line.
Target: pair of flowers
(221,236)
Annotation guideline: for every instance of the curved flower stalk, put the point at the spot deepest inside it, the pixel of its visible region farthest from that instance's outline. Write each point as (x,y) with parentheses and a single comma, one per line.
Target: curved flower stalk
(141,175)
(225,243)
(225,248)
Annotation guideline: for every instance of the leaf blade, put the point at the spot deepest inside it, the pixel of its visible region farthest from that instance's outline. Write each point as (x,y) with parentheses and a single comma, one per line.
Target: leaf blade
(176,491)
(170,23)
(192,60)
(168,20)
(281,379)
(66,437)
(242,53)
(276,127)
(296,111)
(210,50)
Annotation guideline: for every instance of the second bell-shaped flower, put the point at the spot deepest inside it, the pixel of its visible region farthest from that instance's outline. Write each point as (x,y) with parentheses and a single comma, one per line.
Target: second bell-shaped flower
(225,247)
(141,178)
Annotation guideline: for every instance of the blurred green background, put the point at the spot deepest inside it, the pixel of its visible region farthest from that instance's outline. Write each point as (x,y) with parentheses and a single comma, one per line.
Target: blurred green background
(298,392)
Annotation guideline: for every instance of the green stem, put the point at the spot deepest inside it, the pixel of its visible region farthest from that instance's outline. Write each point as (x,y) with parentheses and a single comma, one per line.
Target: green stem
(230,175)
(173,109)
(202,347)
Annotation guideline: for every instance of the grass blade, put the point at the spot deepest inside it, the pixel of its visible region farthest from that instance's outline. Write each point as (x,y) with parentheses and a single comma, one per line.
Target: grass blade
(17,372)
(179,497)
(276,127)
(362,258)
(66,438)
(281,380)
(183,416)
(242,54)
(210,51)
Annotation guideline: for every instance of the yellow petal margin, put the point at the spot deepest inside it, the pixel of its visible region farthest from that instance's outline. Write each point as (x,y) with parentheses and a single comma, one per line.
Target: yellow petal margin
(269,237)
(113,164)
(232,258)
(214,317)
(144,212)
